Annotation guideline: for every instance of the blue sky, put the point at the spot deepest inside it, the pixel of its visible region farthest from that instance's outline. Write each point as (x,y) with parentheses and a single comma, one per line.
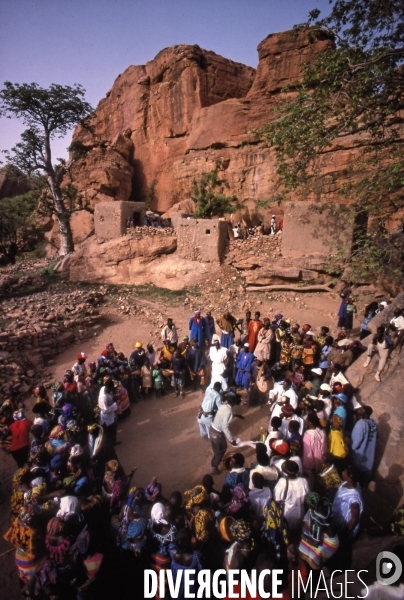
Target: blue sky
(91,41)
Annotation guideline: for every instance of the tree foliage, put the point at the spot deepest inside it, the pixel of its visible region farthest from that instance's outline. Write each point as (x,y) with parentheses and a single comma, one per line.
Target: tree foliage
(209,197)
(18,230)
(352,95)
(47,113)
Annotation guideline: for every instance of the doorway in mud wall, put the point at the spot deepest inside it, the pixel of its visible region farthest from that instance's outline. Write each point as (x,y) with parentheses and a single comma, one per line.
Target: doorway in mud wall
(137,219)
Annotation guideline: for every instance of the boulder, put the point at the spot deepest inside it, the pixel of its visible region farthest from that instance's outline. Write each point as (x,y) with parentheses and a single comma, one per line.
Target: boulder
(385,494)
(384,317)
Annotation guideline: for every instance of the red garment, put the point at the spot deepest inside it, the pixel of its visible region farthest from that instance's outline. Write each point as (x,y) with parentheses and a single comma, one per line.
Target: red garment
(252,332)
(20,432)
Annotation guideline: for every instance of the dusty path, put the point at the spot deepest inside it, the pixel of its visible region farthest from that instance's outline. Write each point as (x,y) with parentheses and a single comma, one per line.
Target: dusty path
(161,436)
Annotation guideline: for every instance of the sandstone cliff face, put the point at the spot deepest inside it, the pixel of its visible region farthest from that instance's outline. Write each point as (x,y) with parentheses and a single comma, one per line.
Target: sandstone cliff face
(173,118)
(189,107)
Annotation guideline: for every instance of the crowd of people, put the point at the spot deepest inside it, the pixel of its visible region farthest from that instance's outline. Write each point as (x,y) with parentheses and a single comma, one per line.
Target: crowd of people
(82,529)
(243,231)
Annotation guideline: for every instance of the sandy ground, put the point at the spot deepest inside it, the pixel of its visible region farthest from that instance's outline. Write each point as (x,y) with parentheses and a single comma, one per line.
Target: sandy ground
(161,436)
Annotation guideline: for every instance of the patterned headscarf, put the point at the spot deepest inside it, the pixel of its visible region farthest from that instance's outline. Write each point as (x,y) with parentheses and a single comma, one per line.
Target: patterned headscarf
(239,498)
(318,520)
(240,530)
(18,415)
(196,496)
(76,450)
(153,490)
(19,475)
(136,497)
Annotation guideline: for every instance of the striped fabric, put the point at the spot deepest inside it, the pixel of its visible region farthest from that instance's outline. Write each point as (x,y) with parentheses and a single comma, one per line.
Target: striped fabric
(93,564)
(26,566)
(124,401)
(314,556)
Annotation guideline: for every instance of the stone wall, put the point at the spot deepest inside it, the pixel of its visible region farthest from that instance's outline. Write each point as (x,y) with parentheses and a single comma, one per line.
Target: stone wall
(141,232)
(110,218)
(313,228)
(241,253)
(201,240)
(36,347)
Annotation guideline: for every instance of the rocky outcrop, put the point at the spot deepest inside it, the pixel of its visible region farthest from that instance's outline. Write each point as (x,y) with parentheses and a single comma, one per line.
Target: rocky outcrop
(385,398)
(188,108)
(135,259)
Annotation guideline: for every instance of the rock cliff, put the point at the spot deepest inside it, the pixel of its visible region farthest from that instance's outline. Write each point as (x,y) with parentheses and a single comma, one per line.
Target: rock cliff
(175,116)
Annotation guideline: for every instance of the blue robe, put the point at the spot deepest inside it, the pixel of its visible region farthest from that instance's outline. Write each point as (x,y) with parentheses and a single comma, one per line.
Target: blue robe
(195,359)
(209,328)
(197,330)
(244,361)
(227,340)
(363,444)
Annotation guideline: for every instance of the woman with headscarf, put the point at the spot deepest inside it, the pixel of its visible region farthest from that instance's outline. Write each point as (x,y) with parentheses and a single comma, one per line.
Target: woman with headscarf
(153,491)
(319,541)
(19,486)
(239,505)
(328,479)
(202,518)
(162,534)
(240,554)
(26,536)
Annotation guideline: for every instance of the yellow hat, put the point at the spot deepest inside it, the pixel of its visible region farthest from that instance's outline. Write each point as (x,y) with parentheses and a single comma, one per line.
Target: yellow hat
(138,345)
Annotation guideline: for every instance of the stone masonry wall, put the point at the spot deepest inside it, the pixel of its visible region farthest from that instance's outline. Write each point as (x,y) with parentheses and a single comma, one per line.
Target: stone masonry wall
(201,240)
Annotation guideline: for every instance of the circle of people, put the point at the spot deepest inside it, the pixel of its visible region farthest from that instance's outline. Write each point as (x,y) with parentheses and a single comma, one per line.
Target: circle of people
(76,517)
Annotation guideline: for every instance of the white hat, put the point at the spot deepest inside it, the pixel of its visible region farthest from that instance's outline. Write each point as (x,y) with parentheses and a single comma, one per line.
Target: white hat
(325,387)
(383,303)
(344,342)
(310,333)
(273,216)
(317,371)
(247,345)
(215,338)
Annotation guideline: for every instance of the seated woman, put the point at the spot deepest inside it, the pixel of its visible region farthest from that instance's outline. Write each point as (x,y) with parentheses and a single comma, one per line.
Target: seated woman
(162,534)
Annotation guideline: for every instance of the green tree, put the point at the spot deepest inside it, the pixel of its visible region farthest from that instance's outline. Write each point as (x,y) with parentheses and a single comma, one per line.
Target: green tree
(209,197)
(18,230)
(47,113)
(151,193)
(355,90)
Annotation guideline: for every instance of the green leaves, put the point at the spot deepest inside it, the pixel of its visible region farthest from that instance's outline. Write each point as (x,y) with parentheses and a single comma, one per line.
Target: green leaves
(350,98)
(208,194)
(55,109)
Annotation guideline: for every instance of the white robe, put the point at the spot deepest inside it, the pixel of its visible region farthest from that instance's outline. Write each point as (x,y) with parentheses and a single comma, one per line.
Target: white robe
(294,502)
